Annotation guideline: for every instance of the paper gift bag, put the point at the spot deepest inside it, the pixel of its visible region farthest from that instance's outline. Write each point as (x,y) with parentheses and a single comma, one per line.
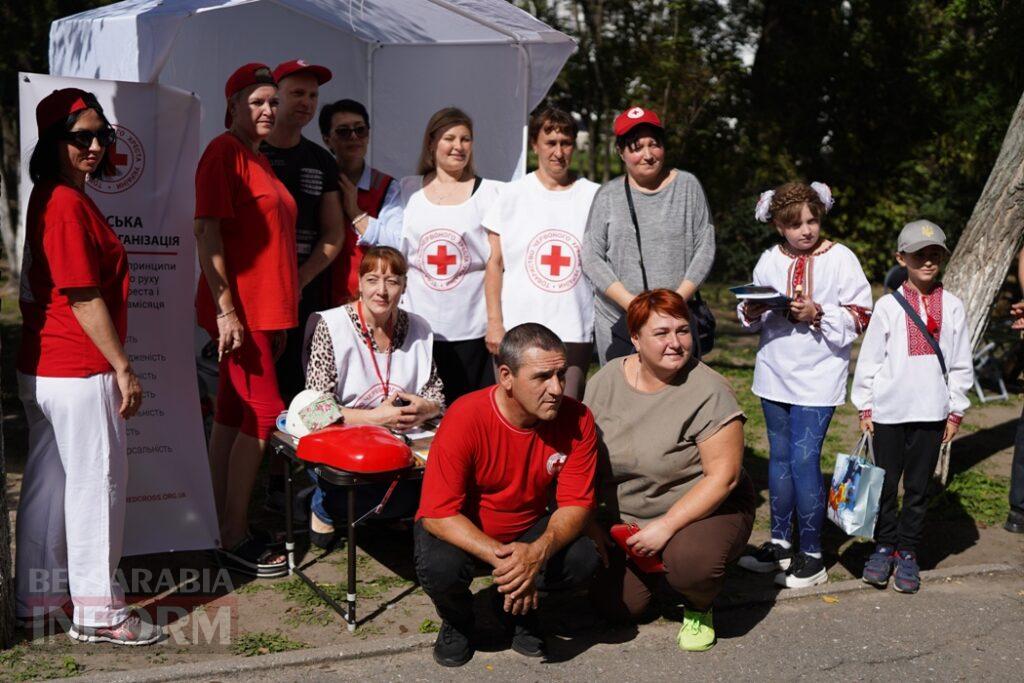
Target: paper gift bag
(856,489)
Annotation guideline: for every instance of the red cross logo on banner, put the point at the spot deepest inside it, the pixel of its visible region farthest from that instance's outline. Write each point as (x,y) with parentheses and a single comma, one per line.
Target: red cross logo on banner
(555,261)
(117,157)
(129,159)
(441,259)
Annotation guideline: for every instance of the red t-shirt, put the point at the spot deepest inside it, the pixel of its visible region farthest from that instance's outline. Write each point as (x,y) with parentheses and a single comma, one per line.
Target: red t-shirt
(257,226)
(500,476)
(68,244)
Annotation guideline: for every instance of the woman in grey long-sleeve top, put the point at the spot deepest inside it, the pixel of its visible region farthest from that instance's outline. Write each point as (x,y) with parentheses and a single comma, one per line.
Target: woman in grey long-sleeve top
(675,227)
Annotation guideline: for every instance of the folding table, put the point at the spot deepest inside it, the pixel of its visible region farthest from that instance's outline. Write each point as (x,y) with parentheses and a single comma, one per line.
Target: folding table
(286,446)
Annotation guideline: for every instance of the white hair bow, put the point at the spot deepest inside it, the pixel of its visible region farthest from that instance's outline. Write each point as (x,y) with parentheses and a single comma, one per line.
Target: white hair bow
(763,210)
(824,193)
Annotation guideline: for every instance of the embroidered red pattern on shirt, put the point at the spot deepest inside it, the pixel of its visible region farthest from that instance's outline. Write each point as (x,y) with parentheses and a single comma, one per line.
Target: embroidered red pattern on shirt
(861,316)
(917,345)
(801,271)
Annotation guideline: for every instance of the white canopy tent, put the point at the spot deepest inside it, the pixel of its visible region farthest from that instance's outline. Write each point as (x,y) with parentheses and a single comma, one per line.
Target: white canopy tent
(404,59)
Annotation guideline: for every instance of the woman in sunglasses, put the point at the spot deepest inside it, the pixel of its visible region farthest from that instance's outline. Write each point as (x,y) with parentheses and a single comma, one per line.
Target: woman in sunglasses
(437,224)
(76,383)
(345,127)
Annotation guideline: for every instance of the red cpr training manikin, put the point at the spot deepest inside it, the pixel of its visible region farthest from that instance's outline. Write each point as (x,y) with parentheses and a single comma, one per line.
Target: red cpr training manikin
(363,449)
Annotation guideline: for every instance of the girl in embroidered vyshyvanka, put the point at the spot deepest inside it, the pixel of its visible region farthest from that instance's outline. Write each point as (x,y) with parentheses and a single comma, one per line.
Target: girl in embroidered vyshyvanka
(801,370)
(905,400)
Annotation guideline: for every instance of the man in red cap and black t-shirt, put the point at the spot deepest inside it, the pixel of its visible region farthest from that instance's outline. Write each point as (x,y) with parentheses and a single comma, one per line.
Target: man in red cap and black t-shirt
(494,462)
(311,176)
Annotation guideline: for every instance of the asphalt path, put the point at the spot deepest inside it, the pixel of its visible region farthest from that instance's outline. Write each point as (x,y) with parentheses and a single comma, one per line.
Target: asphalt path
(970,628)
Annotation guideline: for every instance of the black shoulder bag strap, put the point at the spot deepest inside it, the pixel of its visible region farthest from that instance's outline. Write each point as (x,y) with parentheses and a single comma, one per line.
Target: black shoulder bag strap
(916,319)
(636,230)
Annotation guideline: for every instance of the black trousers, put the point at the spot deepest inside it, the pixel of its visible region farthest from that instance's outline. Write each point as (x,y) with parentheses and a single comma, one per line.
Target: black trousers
(446,571)
(463,366)
(1017,471)
(909,450)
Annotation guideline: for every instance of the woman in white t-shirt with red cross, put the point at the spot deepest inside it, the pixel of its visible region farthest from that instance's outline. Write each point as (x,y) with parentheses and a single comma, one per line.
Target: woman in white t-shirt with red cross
(535,229)
(436,223)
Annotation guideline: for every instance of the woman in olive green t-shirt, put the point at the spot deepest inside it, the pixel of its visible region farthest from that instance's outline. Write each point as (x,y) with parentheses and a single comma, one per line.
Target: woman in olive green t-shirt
(671,462)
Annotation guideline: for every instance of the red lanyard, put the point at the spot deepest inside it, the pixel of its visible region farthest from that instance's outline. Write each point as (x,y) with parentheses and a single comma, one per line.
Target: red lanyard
(385,382)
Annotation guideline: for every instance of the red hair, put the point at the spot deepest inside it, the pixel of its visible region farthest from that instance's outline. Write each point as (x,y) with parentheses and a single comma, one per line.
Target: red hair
(663,301)
(387,259)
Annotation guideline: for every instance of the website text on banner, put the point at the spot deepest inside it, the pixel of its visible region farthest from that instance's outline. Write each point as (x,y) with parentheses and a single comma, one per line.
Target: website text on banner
(148,202)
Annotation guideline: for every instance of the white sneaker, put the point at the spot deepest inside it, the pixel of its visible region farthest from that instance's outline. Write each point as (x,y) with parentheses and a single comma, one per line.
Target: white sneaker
(132,631)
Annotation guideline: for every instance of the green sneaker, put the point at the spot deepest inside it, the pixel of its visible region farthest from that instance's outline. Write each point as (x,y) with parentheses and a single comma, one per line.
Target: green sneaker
(697,632)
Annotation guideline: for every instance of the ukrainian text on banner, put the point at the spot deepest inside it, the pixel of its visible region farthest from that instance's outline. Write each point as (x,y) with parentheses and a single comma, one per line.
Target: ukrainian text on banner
(148,202)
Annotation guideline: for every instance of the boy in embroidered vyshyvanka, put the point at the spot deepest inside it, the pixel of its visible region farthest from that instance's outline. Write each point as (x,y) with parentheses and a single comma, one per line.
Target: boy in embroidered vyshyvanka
(801,370)
(905,401)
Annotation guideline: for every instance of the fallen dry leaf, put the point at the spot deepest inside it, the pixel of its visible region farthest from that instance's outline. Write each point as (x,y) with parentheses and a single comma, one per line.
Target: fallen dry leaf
(830,599)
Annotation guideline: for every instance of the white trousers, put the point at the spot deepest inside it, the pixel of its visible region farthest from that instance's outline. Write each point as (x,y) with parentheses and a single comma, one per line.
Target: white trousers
(70,527)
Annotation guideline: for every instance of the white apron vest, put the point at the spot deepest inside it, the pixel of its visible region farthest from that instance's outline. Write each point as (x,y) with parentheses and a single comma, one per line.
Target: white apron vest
(541,239)
(447,250)
(358,385)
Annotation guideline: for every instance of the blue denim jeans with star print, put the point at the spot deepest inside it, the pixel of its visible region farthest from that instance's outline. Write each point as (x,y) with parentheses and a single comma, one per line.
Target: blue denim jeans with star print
(795,485)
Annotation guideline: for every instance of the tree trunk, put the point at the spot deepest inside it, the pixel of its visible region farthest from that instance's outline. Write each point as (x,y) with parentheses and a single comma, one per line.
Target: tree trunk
(6,582)
(990,241)
(9,189)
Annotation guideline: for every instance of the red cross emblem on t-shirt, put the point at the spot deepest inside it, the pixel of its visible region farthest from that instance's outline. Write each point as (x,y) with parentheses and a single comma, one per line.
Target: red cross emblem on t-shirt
(441,259)
(554,260)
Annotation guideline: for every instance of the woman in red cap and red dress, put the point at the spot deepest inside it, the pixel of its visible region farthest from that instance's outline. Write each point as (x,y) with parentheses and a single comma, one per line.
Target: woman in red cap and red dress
(672,246)
(247,299)
(76,383)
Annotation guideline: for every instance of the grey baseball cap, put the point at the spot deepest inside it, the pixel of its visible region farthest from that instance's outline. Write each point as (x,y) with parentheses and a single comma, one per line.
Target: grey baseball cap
(919,234)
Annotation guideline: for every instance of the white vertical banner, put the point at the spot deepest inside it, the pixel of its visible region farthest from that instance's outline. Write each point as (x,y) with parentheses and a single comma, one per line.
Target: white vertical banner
(149,203)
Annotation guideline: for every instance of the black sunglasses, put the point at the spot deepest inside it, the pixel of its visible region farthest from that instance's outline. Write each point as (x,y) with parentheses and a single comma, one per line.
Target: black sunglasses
(357,132)
(83,138)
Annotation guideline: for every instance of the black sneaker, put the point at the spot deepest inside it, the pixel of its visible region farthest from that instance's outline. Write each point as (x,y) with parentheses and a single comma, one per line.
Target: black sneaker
(805,571)
(769,557)
(527,641)
(452,647)
(1014,522)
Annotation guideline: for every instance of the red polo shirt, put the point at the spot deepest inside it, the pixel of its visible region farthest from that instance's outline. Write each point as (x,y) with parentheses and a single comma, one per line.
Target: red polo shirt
(257,226)
(68,245)
(500,476)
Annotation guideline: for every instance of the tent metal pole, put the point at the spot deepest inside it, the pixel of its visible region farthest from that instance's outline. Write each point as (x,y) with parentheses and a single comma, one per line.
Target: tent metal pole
(371,49)
(455,9)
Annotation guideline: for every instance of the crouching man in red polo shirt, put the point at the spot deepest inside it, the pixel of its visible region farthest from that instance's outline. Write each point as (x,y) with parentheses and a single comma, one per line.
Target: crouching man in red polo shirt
(489,478)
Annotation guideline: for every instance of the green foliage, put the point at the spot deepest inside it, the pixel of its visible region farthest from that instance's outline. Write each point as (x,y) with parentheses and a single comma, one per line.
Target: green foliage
(19,664)
(429,626)
(264,643)
(901,106)
(976,495)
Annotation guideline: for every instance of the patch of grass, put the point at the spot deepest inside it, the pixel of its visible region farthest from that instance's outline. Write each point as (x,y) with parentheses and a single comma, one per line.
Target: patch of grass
(374,588)
(264,643)
(18,664)
(975,495)
(310,609)
(364,632)
(429,626)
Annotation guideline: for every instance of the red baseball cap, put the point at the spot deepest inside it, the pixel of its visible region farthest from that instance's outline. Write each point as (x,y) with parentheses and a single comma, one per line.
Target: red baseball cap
(244,76)
(633,117)
(61,104)
(285,69)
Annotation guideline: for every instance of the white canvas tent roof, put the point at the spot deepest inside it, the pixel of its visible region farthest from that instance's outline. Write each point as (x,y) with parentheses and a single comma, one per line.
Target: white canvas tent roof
(403,58)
